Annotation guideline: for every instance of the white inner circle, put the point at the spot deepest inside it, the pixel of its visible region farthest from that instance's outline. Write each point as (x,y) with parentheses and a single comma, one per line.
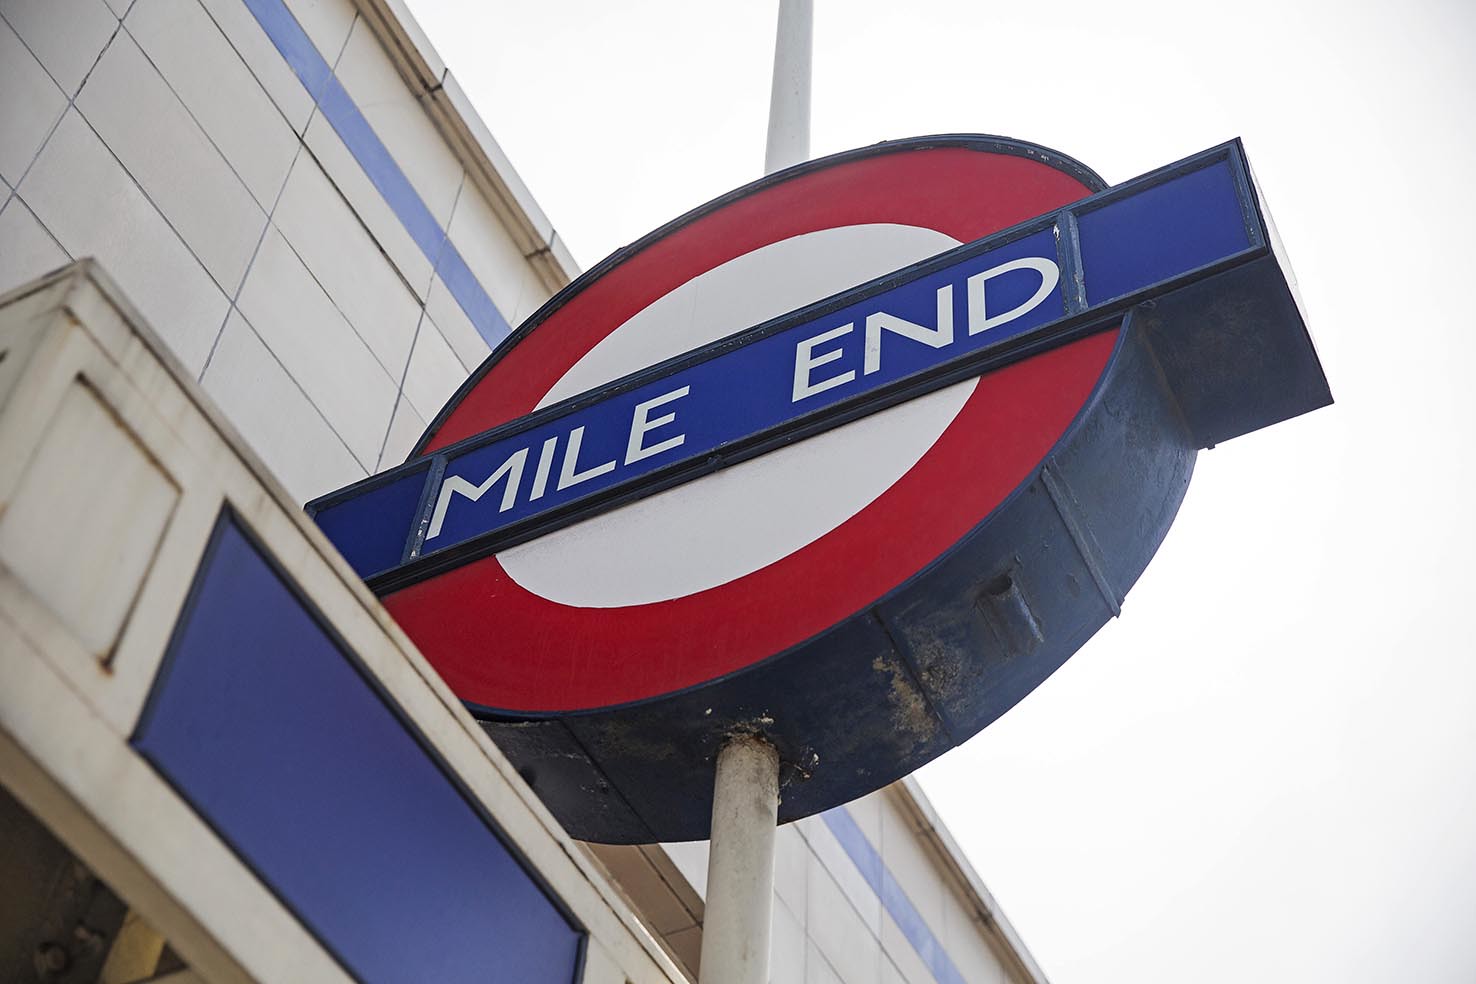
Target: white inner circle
(731,523)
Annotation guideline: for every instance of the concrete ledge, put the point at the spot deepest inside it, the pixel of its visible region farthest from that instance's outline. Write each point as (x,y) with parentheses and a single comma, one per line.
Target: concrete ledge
(113,469)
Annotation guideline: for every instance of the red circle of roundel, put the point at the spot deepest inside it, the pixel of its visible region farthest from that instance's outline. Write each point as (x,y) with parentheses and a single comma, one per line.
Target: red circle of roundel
(503,647)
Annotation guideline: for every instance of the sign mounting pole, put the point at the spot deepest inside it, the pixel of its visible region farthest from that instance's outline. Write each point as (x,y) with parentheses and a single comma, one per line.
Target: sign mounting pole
(789,99)
(745,795)
(740,864)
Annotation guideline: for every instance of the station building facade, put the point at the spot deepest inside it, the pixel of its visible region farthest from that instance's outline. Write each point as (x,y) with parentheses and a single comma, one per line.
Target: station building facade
(303,239)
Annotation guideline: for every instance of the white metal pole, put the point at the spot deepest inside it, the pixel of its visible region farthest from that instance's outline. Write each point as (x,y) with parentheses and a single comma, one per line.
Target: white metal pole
(739,907)
(789,100)
(740,865)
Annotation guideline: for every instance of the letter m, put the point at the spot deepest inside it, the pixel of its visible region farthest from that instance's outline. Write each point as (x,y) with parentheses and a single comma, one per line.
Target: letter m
(511,469)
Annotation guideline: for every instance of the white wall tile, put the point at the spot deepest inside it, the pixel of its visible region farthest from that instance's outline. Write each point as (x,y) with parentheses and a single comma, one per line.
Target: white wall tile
(30,105)
(892,975)
(144,124)
(405,429)
(219,91)
(434,374)
(491,255)
(905,856)
(262,59)
(791,868)
(818,969)
(841,936)
(400,121)
(326,22)
(969,949)
(829,860)
(941,908)
(318,348)
(274,416)
(787,946)
(26,249)
(66,35)
(455,326)
(530,299)
(900,958)
(346,261)
(366,201)
(866,811)
(93,208)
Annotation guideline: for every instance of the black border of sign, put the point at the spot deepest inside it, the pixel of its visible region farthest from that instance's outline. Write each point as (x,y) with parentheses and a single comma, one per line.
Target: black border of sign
(1079,320)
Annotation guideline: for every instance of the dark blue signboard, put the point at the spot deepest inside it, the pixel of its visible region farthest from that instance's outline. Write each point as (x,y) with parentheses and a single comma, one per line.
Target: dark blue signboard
(263,723)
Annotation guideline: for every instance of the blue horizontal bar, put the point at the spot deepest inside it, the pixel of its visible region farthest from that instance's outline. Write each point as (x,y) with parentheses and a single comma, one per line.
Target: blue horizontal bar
(1155,233)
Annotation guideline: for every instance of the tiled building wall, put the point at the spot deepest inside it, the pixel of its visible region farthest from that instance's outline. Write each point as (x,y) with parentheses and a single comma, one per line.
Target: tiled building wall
(860,900)
(240,194)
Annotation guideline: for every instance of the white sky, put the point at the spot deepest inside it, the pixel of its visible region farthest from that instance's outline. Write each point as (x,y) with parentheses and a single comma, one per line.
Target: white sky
(1266,769)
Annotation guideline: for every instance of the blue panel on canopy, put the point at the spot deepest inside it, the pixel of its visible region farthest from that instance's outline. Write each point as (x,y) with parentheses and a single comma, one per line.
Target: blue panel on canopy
(267,727)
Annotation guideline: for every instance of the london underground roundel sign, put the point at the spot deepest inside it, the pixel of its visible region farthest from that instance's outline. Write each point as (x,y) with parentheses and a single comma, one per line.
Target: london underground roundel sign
(853,457)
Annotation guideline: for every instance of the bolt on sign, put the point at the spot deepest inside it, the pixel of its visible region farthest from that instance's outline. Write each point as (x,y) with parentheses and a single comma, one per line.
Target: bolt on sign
(853,457)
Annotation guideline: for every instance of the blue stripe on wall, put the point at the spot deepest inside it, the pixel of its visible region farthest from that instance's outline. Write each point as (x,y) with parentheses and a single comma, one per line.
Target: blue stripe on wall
(379,165)
(893,899)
